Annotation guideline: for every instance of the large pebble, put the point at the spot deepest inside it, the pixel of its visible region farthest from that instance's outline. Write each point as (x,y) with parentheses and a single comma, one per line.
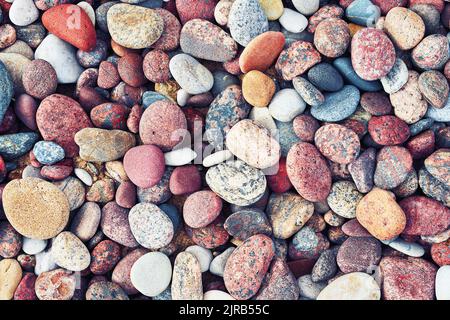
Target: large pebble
(58,284)
(144,165)
(248,222)
(114,224)
(70,253)
(344,198)
(286,105)
(337,143)
(297,59)
(405,27)
(186,278)
(396,78)
(151,273)
(358,254)
(190,74)
(338,105)
(236,182)
(394,163)
(431,53)
(352,286)
(437,165)
(247,266)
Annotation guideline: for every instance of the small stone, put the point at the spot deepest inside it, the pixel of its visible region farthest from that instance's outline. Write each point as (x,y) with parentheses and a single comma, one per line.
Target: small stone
(325,267)
(10,241)
(307,244)
(58,284)
(396,78)
(337,143)
(190,74)
(352,286)
(47,152)
(344,198)
(293,21)
(187,278)
(86,221)
(246,223)
(217,266)
(388,130)
(442,281)
(286,105)
(332,37)
(33,246)
(358,254)
(393,166)
(70,253)
(434,87)
(23,12)
(297,59)
(39,79)
(204,256)
(201,208)
(431,53)
(114,224)
(144,165)
(405,27)
(308,288)
(338,105)
(258,89)
(105,290)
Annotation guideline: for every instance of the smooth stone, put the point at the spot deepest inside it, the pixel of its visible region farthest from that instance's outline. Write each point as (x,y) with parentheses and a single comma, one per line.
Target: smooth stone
(236,182)
(179,157)
(241,140)
(245,223)
(216,158)
(338,105)
(217,265)
(308,7)
(134,27)
(114,224)
(222,80)
(441,115)
(204,256)
(411,249)
(151,227)
(286,105)
(74,191)
(186,278)
(396,78)
(151,274)
(23,12)
(16,64)
(363,12)
(100,145)
(105,290)
(352,286)
(308,288)
(86,221)
(344,66)
(325,77)
(405,27)
(88,9)
(190,74)
(44,262)
(293,21)
(84,176)
(10,276)
(246,21)
(433,188)
(272,8)
(6,89)
(33,246)
(344,198)
(442,283)
(48,152)
(149,97)
(325,267)
(16,144)
(35,208)
(69,252)
(62,57)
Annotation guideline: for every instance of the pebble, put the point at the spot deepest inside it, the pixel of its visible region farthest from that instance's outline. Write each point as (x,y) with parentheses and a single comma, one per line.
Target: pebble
(344,66)
(25,290)
(186,278)
(358,254)
(325,267)
(338,105)
(217,295)
(236,182)
(150,226)
(422,274)
(393,166)
(325,77)
(286,105)
(433,188)
(309,289)
(104,257)
(192,9)
(192,76)
(411,249)
(307,244)
(23,13)
(258,89)
(396,78)
(247,265)
(247,222)
(44,205)
(217,265)
(134,27)
(337,143)
(297,59)
(246,20)
(308,92)
(10,241)
(373,54)
(144,165)
(306,7)
(379,213)
(293,21)
(58,284)
(308,172)
(69,252)
(437,165)
(363,12)
(33,246)
(404,27)
(279,284)
(61,56)
(216,158)
(344,198)
(201,208)
(442,281)
(204,256)
(204,40)
(158,193)
(44,262)
(431,53)
(47,152)
(151,273)
(388,130)
(114,224)
(351,286)
(170,37)
(440,252)
(39,79)
(240,141)
(122,271)
(434,87)
(86,221)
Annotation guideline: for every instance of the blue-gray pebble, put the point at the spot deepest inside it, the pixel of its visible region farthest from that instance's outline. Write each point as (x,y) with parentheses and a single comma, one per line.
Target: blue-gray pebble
(172,212)
(363,12)
(286,136)
(222,80)
(338,105)
(344,66)
(6,90)
(325,77)
(150,97)
(420,126)
(17,144)
(48,152)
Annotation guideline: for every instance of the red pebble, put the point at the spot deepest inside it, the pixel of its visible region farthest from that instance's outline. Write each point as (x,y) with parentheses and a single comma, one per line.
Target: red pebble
(144,165)
(440,253)
(25,289)
(388,130)
(422,145)
(184,180)
(279,182)
(130,70)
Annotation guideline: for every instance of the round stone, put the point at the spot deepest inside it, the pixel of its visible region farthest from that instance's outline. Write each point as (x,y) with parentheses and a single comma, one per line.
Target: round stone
(144,165)
(376,103)
(186,278)
(47,152)
(352,286)
(434,87)
(201,208)
(39,79)
(114,224)
(442,281)
(332,37)
(358,254)
(344,198)
(10,240)
(308,92)
(388,130)
(393,166)
(396,78)
(337,143)
(151,227)
(381,215)
(286,105)
(297,59)
(308,172)
(162,124)
(246,223)
(69,252)
(338,105)
(236,182)
(431,53)
(105,290)
(258,89)
(404,27)
(134,27)
(35,208)
(104,257)
(151,273)
(192,76)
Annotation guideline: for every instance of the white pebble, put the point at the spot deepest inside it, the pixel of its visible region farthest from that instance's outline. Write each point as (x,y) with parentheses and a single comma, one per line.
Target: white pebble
(204,256)
(44,262)
(217,266)
(179,157)
(396,78)
(182,97)
(293,21)
(23,12)
(84,176)
(151,273)
(217,157)
(33,246)
(442,283)
(286,105)
(306,7)
(409,248)
(88,9)
(217,295)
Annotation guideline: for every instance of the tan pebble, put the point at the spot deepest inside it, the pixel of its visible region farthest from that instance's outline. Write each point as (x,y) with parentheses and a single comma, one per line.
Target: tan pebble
(10,276)
(70,253)
(187,278)
(258,89)
(404,27)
